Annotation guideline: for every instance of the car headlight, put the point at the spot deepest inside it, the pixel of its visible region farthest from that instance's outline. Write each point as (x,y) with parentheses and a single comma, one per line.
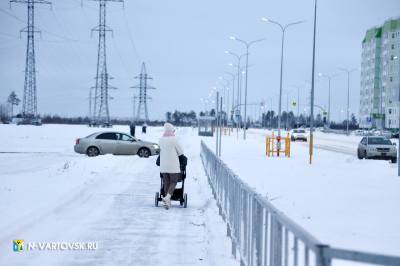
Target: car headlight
(155,146)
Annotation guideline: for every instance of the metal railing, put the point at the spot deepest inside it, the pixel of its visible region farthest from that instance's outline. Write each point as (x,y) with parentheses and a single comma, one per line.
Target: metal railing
(261,234)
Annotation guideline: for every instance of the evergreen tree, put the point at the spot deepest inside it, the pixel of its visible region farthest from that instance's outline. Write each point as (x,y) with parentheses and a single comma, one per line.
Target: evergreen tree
(13,100)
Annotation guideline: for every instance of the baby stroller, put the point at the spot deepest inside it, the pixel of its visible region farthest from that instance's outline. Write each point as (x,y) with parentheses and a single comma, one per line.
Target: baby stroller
(179,193)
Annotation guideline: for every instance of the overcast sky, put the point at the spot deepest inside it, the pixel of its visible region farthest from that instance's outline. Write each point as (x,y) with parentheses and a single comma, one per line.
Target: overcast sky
(183,43)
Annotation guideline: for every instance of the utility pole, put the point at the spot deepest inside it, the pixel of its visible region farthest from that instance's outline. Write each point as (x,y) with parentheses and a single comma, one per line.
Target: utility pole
(29,101)
(312,86)
(101,114)
(142,114)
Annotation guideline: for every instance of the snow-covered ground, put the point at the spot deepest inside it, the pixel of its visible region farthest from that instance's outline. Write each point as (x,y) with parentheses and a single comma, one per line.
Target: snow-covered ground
(343,201)
(49,193)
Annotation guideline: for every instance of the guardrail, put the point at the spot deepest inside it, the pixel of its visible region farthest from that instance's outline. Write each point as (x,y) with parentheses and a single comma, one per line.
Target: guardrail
(261,234)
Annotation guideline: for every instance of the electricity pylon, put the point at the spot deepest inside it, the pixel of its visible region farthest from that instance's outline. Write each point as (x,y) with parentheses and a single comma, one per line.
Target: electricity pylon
(142,115)
(29,101)
(101,114)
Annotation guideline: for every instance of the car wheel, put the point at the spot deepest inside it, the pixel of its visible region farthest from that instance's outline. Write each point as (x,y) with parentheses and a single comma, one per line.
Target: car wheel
(144,152)
(92,152)
(359,155)
(394,160)
(365,155)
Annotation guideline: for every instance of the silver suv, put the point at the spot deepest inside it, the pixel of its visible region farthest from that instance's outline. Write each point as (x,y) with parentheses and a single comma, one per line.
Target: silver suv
(377,148)
(115,143)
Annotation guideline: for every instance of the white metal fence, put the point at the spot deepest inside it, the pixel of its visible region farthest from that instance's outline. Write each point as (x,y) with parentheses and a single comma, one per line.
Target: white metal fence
(261,234)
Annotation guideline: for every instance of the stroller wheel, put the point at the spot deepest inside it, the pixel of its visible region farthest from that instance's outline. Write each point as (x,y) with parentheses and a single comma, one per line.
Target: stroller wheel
(156,199)
(185,203)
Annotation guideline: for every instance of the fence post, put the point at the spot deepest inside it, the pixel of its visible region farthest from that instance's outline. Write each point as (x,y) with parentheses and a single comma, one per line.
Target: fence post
(321,259)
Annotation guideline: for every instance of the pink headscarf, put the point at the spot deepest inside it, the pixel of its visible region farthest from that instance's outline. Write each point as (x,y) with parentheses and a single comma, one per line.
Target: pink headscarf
(169,130)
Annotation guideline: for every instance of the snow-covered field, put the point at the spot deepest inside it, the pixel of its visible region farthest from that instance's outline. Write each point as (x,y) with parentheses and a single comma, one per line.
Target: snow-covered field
(49,193)
(343,201)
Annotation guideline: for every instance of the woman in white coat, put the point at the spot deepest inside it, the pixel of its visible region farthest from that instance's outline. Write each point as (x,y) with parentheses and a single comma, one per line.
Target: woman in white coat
(170,150)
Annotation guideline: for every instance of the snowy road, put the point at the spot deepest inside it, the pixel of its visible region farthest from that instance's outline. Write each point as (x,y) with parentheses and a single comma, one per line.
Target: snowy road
(57,195)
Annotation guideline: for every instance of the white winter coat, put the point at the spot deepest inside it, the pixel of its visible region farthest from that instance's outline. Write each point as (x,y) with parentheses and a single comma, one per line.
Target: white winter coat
(170,150)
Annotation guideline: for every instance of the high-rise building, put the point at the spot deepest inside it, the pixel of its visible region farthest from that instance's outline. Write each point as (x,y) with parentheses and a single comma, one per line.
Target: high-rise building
(380,76)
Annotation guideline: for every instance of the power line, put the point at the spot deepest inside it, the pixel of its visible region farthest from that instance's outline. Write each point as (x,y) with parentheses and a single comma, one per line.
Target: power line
(43,30)
(9,35)
(131,37)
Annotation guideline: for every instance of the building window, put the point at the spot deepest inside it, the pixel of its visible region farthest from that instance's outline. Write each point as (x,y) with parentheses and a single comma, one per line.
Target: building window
(390,111)
(391,79)
(392,35)
(392,46)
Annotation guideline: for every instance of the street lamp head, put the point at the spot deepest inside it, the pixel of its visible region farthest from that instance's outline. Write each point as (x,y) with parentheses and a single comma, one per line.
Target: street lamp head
(264,19)
(232,37)
(227,52)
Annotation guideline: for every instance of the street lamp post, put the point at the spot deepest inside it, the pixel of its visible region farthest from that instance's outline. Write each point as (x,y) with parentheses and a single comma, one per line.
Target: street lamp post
(248,45)
(283,28)
(348,71)
(312,86)
(329,77)
(238,97)
(226,93)
(233,90)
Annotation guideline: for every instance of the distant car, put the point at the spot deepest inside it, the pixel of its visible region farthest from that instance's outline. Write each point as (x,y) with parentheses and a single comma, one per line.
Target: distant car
(115,143)
(372,147)
(299,134)
(30,121)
